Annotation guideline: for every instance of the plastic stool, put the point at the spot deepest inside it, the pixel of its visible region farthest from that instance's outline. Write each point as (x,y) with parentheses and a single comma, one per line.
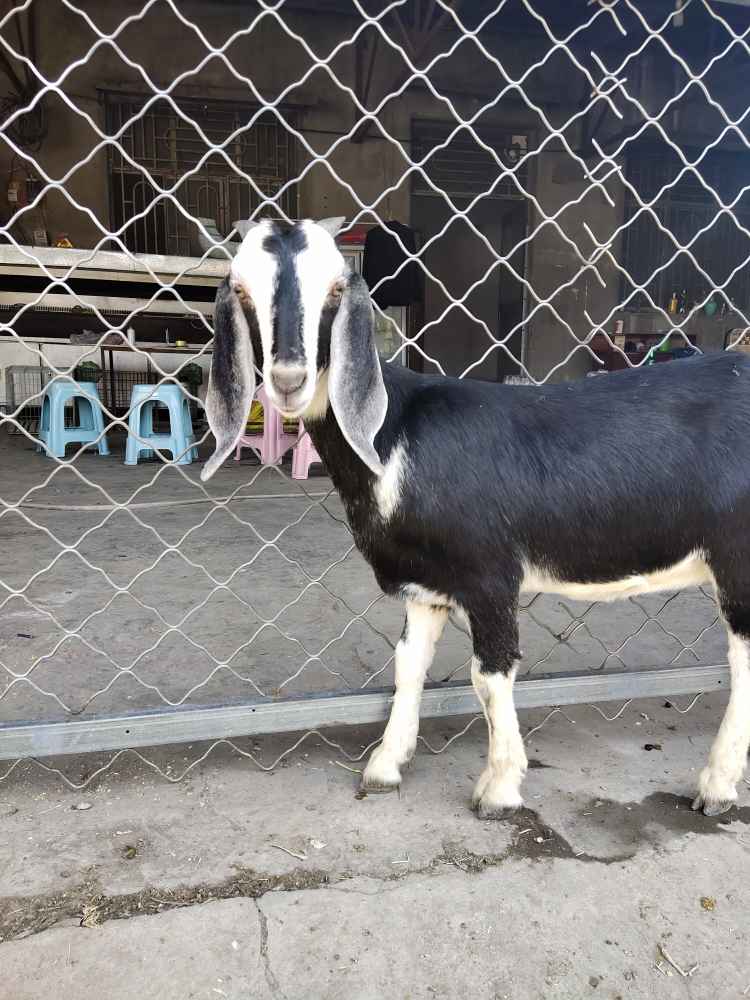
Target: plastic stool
(273,442)
(180,440)
(304,454)
(53,433)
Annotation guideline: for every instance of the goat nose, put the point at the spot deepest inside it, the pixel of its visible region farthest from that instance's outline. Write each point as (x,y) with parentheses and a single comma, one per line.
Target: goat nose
(288,379)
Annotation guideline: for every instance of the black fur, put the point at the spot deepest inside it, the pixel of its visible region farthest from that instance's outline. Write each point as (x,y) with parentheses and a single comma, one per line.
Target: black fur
(232,380)
(591,481)
(587,482)
(356,391)
(223,371)
(285,243)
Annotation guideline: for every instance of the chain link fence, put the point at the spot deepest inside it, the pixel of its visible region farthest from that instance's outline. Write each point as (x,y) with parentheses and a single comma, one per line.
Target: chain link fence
(573,180)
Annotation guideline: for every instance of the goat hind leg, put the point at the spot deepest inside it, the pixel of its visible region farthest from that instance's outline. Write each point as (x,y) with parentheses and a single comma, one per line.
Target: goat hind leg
(493,670)
(717,790)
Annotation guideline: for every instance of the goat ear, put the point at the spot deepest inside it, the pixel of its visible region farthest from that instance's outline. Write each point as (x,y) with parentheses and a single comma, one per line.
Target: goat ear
(332,225)
(243,226)
(231,384)
(355,381)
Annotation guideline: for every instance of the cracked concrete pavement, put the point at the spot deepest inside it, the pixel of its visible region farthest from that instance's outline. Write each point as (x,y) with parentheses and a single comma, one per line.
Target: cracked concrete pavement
(183,890)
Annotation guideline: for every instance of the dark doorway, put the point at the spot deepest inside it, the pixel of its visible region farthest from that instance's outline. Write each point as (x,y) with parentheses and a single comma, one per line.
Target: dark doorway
(490,175)
(461,260)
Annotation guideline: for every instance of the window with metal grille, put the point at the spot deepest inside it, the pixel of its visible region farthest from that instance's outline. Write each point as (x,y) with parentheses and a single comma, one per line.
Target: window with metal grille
(209,185)
(688,209)
(462,167)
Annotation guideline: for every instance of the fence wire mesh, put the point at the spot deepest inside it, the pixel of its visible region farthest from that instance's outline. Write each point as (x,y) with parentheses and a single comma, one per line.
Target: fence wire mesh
(574,178)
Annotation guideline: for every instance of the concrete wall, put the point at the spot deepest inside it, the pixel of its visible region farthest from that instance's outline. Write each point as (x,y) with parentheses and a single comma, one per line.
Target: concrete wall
(272,60)
(557,319)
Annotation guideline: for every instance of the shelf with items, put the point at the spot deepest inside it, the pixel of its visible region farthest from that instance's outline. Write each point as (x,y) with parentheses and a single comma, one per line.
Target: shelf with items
(636,349)
(737,339)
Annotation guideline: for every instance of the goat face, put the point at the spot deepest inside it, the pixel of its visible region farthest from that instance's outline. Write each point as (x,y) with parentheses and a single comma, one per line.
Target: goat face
(291,305)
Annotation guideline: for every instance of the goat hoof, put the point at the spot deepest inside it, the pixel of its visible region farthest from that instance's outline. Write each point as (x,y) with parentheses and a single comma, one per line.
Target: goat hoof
(496,797)
(496,812)
(378,787)
(711,808)
(381,774)
(716,792)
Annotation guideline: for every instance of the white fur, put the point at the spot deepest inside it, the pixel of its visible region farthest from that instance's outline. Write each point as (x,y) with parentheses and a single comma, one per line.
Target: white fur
(421,595)
(689,572)
(318,267)
(692,571)
(413,658)
(387,488)
(318,405)
(728,757)
(254,270)
(499,786)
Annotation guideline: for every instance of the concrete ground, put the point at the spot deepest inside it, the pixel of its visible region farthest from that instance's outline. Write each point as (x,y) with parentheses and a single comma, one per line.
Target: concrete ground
(242,884)
(233,882)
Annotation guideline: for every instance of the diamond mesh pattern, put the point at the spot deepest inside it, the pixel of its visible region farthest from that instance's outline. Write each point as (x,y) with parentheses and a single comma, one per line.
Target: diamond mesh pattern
(132,588)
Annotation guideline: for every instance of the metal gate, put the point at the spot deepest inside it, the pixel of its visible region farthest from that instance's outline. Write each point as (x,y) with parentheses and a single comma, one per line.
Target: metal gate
(138,607)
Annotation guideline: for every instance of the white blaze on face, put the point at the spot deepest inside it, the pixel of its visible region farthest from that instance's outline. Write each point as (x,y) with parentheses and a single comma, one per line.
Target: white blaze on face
(255,270)
(318,266)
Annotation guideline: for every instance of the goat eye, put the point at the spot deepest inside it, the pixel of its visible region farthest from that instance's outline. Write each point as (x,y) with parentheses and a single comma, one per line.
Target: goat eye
(337,289)
(242,293)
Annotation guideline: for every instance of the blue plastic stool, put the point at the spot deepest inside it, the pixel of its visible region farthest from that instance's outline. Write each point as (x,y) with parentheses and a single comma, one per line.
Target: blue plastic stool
(180,441)
(53,433)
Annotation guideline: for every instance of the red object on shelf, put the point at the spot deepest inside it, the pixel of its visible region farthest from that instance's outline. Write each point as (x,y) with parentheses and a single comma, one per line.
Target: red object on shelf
(355,235)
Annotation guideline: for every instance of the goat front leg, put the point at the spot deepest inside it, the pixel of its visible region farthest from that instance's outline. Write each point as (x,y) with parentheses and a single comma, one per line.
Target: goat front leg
(717,789)
(414,653)
(493,670)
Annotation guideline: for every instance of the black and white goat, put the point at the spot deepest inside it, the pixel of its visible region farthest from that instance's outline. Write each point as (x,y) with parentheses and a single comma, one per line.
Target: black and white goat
(461,494)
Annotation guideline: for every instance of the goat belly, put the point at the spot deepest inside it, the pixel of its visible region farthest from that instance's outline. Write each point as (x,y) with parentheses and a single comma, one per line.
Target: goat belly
(692,571)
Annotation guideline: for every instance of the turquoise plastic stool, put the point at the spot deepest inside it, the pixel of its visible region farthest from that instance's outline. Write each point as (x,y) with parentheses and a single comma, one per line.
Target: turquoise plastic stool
(53,433)
(180,441)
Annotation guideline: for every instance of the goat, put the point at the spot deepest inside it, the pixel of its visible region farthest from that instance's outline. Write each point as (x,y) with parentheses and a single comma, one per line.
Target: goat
(462,494)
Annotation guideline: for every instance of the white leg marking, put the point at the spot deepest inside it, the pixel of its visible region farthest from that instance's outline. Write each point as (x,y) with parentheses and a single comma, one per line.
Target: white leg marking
(728,757)
(414,655)
(499,786)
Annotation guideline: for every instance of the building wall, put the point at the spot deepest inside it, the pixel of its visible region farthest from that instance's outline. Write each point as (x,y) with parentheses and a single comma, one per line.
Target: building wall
(356,174)
(556,265)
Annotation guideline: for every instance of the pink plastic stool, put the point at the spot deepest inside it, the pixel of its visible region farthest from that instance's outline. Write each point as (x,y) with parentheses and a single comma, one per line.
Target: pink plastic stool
(304,454)
(273,442)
